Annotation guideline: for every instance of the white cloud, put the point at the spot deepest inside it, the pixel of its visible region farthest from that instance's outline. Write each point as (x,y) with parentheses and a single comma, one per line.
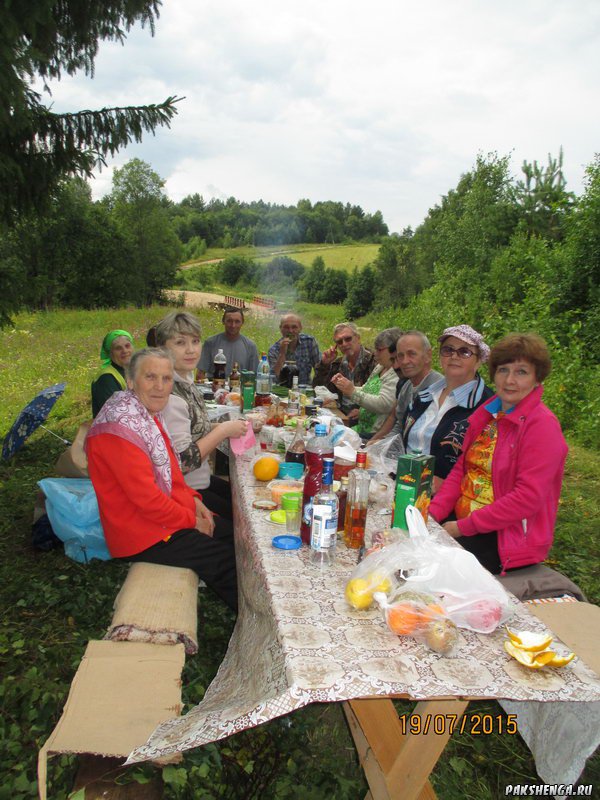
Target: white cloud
(379,104)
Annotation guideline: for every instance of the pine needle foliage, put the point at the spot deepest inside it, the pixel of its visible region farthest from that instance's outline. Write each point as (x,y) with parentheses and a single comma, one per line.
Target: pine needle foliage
(46,39)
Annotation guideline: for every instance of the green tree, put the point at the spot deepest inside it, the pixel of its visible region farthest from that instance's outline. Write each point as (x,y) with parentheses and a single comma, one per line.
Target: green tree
(138,206)
(359,300)
(38,147)
(234,268)
(542,198)
(313,280)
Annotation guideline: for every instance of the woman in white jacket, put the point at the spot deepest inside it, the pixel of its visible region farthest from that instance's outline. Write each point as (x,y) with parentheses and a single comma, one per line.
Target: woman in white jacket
(377,396)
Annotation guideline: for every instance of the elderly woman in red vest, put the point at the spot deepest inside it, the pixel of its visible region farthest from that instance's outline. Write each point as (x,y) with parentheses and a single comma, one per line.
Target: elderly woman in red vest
(147,510)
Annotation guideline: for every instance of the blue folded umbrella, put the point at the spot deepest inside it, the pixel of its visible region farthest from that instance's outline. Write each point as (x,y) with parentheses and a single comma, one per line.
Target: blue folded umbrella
(31,418)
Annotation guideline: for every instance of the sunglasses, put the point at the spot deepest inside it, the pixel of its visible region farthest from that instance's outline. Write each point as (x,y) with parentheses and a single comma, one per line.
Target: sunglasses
(461,352)
(344,340)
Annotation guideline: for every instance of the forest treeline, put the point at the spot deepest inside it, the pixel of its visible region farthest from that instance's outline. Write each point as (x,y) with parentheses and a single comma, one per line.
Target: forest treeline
(127,247)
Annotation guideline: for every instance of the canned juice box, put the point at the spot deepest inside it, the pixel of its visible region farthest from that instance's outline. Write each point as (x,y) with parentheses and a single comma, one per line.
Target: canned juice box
(414,478)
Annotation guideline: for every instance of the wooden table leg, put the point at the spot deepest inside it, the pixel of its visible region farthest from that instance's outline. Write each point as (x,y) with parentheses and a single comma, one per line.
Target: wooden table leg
(397,762)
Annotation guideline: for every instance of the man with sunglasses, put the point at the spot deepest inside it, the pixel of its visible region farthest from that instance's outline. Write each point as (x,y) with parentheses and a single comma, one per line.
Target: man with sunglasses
(294,346)
(355,363)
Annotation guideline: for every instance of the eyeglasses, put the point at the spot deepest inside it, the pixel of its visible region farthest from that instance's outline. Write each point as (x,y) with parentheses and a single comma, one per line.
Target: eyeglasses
(344,340)
(461,352)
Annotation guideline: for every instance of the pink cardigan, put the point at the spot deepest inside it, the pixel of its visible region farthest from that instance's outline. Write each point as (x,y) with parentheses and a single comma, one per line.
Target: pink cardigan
(527,470)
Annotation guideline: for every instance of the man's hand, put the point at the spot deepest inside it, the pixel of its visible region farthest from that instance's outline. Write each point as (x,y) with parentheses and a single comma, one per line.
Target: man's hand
(329,355)
(205,521)
(452,529)
(284,343)
(345,386)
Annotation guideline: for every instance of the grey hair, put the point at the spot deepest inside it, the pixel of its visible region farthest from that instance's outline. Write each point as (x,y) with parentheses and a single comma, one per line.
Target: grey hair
(341,325)
(132,369)
(421,336)
(174,323)
(388,338)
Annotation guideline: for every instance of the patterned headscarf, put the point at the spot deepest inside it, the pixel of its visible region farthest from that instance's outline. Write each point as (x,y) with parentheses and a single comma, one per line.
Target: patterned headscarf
(107,342)
(125,416)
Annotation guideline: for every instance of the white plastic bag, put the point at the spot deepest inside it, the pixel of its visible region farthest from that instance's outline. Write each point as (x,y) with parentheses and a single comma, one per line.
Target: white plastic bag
(383,454)
(471,597)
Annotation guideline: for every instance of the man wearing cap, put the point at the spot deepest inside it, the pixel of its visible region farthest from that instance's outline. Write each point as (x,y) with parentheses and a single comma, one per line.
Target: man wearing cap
(356,363)
(413,357)
(294,346)
(236,347)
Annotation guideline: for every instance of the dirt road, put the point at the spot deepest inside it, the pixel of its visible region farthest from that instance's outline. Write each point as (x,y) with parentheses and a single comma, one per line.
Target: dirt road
(202,300)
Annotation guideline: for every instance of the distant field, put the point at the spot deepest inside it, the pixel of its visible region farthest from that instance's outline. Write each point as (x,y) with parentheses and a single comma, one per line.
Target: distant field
(344,257)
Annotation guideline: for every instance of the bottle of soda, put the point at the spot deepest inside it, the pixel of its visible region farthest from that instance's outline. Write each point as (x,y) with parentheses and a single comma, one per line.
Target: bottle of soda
(219,365)
(263,383)
(323,533)
(356,503)
(235,378)
(296,450)
(317,448)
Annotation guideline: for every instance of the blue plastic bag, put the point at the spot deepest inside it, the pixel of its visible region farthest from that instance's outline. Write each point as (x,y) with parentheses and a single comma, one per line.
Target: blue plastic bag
(72,508)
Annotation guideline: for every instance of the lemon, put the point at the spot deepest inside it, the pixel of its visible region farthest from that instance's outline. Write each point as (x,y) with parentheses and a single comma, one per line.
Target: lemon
(379,583)
(266,468)
(358,593)
(530,641)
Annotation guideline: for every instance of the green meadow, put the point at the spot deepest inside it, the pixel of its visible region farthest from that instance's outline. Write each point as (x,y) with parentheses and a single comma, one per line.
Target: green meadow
(52,606)
(344,257)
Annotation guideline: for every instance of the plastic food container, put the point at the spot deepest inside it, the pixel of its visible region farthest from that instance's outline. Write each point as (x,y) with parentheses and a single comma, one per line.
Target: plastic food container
(281,487)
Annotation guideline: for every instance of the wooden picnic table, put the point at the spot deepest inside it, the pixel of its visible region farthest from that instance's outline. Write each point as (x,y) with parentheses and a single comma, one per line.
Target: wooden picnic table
(297,642)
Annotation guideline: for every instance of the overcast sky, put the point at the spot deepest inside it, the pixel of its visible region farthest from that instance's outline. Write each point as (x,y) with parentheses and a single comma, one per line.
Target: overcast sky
(381,104)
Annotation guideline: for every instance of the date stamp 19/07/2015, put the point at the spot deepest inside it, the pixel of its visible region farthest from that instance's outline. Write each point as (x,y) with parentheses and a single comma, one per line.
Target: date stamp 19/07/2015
(447,724)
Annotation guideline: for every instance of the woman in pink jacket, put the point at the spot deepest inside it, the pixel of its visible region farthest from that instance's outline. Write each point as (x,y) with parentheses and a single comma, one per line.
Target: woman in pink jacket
(501,497)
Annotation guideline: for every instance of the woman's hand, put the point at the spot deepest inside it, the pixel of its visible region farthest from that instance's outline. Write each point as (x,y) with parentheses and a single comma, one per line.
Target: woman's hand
(436,484)
(205,521)
(353,414)
(452,529)
(345,386)
(327,356)
(235,428)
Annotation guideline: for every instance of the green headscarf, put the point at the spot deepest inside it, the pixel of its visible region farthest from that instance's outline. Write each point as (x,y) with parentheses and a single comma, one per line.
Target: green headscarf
(107,342)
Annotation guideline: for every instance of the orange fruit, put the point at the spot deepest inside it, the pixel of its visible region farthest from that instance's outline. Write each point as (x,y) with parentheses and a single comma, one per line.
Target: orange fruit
(403,618)
(266,468)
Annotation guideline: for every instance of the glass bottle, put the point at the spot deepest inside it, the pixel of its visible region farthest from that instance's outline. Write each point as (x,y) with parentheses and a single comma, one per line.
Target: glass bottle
(317,448)
(323,532)
(293,408)
(342,494)
(297,447)
(235,378)
(356,503)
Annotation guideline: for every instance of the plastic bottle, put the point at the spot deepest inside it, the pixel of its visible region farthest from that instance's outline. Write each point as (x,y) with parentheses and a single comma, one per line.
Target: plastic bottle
(356,504)
(263,383)
(317,448)
(219,366)
(323,533)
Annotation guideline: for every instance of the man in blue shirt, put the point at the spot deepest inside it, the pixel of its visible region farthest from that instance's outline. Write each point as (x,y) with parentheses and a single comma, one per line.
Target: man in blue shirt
(294,346)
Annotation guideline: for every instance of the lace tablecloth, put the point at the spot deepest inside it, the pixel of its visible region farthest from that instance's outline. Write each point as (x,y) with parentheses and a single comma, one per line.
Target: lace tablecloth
(296,642)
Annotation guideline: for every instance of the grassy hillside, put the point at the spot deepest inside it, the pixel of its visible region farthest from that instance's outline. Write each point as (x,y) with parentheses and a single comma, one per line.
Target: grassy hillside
(53,606)
(344,257)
